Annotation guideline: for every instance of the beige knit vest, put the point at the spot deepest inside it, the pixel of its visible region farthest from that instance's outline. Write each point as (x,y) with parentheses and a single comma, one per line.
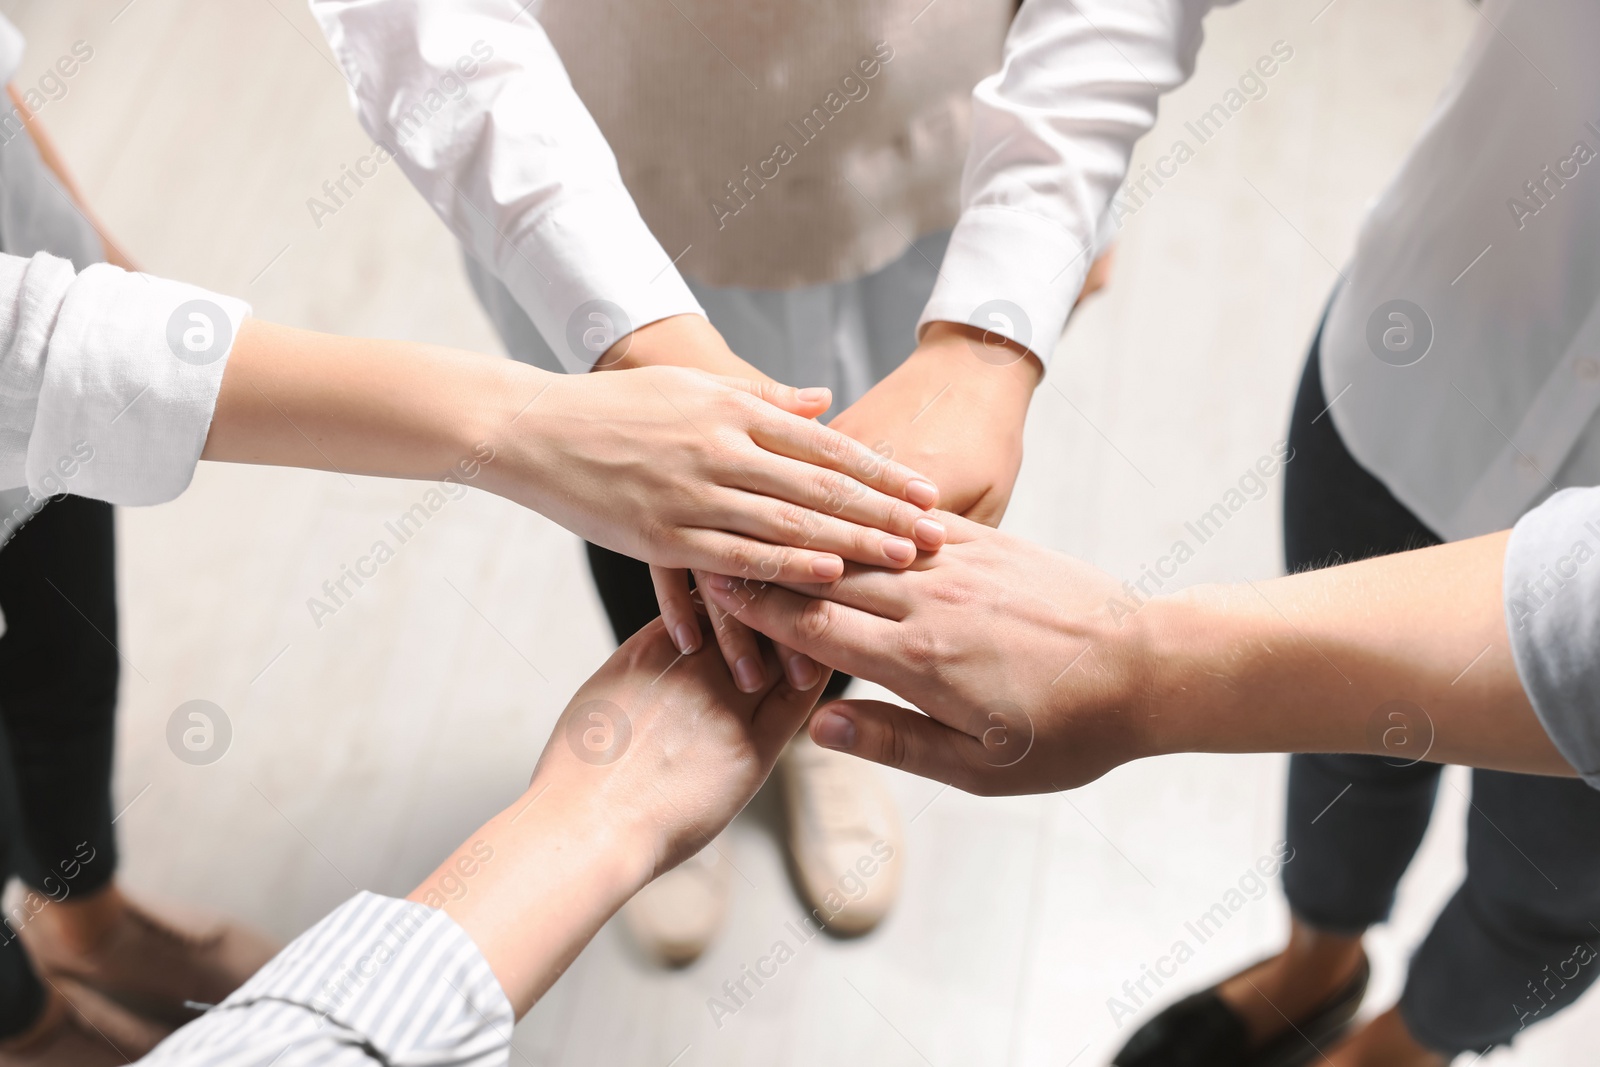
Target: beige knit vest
(772,144)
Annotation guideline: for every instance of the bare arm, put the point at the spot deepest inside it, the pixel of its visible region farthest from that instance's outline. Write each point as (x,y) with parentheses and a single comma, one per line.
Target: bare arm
(58,166)
(1038,672)
(652,758)
(671,466)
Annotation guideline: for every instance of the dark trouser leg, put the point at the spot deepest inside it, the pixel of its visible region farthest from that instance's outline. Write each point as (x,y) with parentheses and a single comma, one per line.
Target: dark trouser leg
(1355,822)
(1520,940)
(58,692)
(630,600)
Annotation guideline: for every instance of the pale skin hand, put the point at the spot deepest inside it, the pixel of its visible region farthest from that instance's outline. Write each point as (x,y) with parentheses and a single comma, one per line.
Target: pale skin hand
(587,834)
(672,466)
(953,410)
(1007,646)
(691,341)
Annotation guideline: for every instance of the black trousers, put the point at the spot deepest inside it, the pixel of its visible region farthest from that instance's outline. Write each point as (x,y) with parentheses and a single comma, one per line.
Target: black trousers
(630,600)
(1519,939)
(58,696)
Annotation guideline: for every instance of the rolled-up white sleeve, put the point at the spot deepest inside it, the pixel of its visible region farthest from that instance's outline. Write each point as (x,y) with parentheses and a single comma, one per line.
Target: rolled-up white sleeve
(1052,133)
(1552,605)
(473,99)
(379,981)
(108,380)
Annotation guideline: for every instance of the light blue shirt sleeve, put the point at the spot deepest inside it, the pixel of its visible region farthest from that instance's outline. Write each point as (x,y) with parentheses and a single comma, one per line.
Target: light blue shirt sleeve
(1552,605)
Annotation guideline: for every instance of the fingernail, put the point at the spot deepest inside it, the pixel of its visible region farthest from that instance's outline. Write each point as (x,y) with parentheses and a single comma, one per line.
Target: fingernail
(747,673)
(803,673)
(720,581)
(816,394)
(685,636)
(899,549)
(929,532)
(827,567)
(835,731)
(922,494)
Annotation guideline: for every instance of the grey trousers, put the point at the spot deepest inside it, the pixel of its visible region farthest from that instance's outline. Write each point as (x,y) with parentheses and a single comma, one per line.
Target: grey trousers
(1519,940)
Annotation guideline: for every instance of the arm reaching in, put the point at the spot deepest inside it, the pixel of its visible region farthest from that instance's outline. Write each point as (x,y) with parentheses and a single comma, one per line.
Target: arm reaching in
(672,466)
(653,757)
(1037,672)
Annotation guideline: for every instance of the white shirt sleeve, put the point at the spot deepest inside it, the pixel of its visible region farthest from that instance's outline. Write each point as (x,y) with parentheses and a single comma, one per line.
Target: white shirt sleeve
(474,101)
(1052,133)
(108,380)
(377,982)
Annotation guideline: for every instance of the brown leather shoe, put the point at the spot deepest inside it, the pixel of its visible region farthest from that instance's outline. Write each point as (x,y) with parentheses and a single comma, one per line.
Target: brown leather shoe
(81,1028)
(158,964)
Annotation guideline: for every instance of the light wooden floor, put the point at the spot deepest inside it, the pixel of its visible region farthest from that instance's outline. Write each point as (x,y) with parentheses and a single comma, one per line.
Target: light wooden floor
(365,747)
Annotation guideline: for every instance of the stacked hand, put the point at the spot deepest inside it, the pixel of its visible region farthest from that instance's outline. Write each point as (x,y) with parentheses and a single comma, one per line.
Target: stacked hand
(653,757)
(1035,671)
(953,412)
(991,637)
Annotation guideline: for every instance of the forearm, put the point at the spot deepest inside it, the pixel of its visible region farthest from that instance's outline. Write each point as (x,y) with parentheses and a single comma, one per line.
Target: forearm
(1403,656)
(51,157)
(534,884)
(301,399)
(678,341)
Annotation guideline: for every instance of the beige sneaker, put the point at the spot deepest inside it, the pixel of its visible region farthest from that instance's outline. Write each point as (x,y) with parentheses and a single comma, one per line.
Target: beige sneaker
(158,964)
(675,917)
(845,838)
(81,1028)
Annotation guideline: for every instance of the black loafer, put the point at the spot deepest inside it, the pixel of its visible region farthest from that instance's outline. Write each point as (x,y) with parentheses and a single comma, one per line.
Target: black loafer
(1201,1031)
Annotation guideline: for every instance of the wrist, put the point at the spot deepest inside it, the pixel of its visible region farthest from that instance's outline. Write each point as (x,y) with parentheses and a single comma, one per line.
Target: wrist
(1233,673)
(982,359)
(614,856)
(676,341)
(1200,658)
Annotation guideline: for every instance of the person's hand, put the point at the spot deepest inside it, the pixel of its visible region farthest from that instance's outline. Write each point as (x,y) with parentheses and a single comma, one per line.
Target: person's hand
(668,745)
(653,757)
(691,341)
(953,411)
(682,469)
(1029,681)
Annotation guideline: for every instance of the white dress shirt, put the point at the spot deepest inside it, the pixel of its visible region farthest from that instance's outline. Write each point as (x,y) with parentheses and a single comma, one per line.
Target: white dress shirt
(512,161)
(1497,414)
(107,382)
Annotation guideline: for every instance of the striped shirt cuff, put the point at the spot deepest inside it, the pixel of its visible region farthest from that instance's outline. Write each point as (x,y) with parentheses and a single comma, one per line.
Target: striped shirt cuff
(378,981)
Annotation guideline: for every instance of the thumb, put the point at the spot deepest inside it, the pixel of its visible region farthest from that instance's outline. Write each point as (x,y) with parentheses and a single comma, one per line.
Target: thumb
(901,738)
(807,403)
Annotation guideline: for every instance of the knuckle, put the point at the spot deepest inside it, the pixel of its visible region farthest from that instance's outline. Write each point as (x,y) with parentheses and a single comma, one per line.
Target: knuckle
(896,747)
(834,446)
(816,622)
(797,524)
(922,647)
(955,594)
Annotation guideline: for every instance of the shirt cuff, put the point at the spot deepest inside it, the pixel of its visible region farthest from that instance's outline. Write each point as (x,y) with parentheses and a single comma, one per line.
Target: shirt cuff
(402,976)
(130,384)
(1010,273)
(1552,606)
(614,278)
